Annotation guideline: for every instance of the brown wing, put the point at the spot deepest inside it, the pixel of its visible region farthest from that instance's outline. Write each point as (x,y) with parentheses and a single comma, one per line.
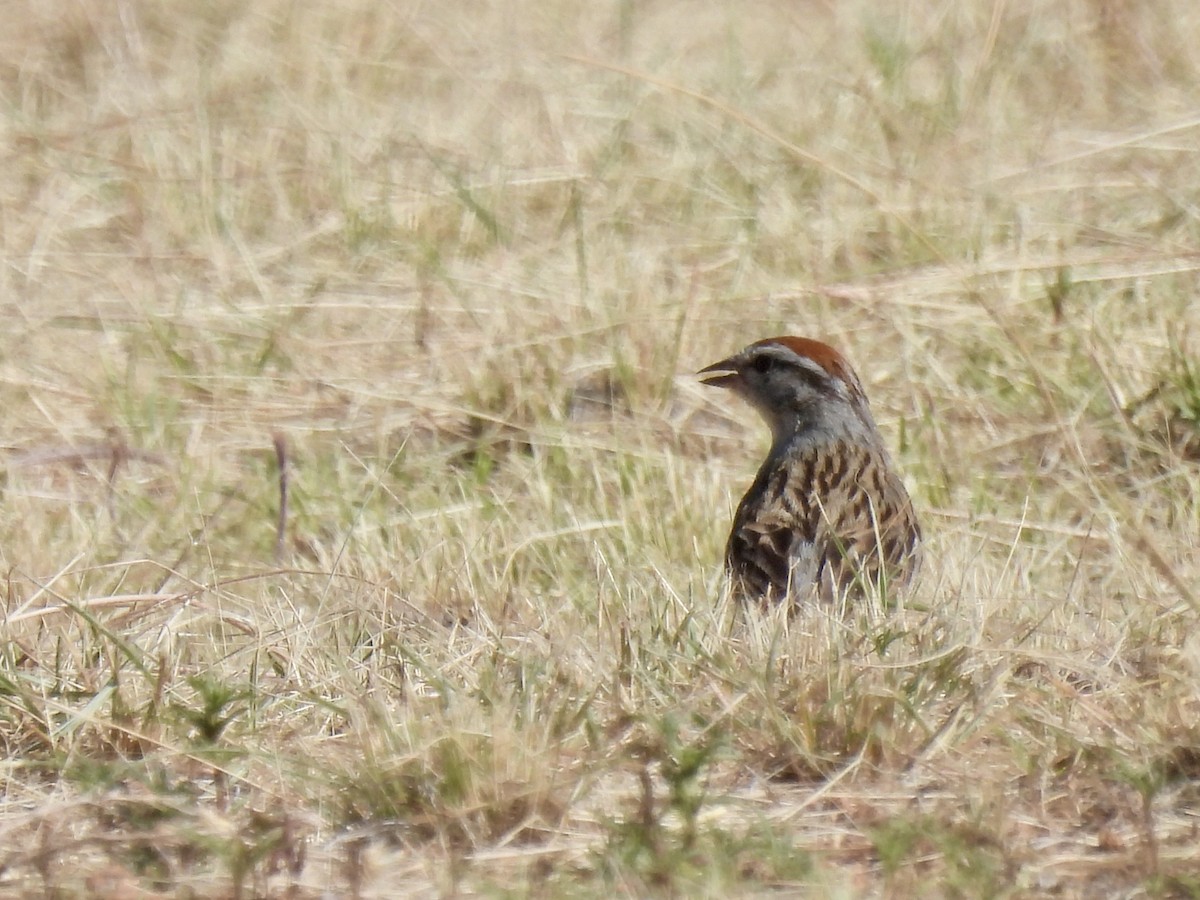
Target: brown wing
(774,533)
(868,532)
(822,521)
(763,542)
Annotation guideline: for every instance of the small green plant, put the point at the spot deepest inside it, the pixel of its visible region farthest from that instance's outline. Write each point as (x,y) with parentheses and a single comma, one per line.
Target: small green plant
(1184,387)
(964,860)
(660,840)
(219,703)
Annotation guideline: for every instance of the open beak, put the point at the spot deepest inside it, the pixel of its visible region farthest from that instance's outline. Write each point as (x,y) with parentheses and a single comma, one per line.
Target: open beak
(723,374)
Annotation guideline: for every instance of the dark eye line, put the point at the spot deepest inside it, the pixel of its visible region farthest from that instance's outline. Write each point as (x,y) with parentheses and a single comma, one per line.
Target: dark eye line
(762,364)
(818,382)
(814,380)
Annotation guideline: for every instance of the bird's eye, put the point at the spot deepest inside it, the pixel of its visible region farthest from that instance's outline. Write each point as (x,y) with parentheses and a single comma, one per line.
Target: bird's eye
(762,364)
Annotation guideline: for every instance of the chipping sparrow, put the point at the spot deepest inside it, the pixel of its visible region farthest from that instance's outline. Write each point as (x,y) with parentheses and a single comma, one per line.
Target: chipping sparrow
(826,515)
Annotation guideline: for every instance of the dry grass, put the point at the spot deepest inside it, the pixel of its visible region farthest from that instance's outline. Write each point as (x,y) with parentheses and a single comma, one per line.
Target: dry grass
(461,258)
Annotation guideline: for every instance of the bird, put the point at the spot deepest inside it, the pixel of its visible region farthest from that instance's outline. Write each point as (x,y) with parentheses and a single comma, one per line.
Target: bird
(827,516)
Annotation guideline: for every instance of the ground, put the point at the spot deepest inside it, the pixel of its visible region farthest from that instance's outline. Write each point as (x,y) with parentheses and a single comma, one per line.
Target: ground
(362,518)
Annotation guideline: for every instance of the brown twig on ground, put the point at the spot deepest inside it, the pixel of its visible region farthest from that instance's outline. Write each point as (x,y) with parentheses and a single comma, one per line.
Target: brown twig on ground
(281,461)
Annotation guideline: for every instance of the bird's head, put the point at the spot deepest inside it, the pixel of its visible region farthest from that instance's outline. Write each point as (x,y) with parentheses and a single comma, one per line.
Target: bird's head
(800,386)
